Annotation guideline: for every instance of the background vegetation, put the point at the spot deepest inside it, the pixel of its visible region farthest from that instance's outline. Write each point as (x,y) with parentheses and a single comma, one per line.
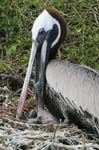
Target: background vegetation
(17,16)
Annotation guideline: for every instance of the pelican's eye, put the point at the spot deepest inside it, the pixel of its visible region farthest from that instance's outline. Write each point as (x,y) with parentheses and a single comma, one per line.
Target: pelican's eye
(41,36)
(42,31)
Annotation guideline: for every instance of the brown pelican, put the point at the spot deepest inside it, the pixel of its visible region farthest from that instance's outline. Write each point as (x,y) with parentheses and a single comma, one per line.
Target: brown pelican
(69,91)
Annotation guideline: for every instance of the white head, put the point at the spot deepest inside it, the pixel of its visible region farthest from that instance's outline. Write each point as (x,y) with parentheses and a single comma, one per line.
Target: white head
(45,22)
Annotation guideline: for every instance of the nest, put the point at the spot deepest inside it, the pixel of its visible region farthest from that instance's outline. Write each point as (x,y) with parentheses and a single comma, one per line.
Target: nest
(15,134)
(18,134)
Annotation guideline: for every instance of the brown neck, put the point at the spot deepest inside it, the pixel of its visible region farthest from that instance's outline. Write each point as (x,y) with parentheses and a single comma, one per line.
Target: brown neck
(55,14)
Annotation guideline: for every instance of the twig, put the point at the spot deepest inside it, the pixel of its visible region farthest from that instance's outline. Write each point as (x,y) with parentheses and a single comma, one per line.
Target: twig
(74,147)
(55,129)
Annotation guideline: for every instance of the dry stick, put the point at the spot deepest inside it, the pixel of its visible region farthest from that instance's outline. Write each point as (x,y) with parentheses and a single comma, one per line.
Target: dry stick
(4,89)
(74,147)
(15,122)
(55,129)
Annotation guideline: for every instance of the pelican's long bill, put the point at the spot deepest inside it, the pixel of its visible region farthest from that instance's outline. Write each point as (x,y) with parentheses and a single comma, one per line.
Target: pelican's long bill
(46,35)
(26,81)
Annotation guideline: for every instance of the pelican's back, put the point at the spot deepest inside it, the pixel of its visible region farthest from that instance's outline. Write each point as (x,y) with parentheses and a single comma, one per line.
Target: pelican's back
(80,84)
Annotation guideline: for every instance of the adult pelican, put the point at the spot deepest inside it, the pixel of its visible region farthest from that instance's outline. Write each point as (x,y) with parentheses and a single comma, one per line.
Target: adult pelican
(69,91)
